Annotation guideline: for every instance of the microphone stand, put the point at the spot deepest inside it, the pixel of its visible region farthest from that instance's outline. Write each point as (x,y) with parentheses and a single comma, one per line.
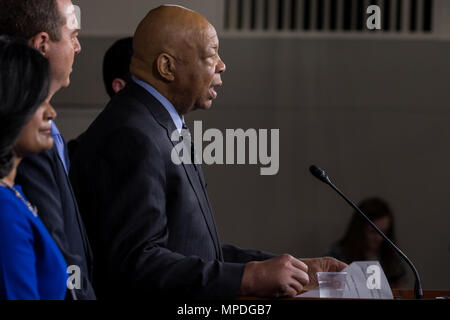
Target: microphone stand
(321,175)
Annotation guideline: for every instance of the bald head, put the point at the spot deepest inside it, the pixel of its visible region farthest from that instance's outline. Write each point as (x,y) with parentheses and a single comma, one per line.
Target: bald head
(172,46)
(169,29)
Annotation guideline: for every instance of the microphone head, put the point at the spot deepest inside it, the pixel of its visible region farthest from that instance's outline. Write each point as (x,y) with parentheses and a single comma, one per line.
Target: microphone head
(319,174)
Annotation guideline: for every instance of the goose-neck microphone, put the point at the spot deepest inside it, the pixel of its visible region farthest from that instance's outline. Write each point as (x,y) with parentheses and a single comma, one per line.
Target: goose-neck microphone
(322,176)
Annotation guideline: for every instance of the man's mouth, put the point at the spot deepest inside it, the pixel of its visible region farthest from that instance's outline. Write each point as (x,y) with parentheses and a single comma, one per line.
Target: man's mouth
(212,92)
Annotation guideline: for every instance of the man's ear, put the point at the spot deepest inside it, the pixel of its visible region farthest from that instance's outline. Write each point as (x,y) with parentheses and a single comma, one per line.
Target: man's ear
(165,64)
(118,84)
(41,42)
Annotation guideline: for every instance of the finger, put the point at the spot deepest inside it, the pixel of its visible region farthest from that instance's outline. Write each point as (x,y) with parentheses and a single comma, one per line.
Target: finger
(299,264)
(285,291)
(341,265)
(335,265)
(297,287)
(301,277)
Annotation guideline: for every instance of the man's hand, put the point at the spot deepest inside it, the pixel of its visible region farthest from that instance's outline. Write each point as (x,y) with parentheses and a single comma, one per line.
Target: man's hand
(325,264)
(277,277)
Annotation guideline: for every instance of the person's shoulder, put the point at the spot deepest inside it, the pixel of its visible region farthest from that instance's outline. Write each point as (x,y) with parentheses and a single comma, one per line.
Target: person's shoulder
(36,166)
(44,157)
(126,100)
(7,198)
(11,209)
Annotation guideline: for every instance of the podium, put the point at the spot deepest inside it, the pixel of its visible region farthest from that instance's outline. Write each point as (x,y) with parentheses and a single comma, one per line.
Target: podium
(399,294)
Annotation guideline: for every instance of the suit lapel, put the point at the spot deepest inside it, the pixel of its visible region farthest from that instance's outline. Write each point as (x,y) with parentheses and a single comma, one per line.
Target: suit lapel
(194,180)
(205,192)
(62,172)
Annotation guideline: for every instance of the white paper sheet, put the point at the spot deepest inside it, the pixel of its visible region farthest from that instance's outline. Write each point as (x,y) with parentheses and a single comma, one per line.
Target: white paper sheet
(357,287)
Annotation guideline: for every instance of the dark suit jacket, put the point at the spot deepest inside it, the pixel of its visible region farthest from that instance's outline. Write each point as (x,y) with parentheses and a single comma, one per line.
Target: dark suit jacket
(46,185)
(72,146)
(149,221)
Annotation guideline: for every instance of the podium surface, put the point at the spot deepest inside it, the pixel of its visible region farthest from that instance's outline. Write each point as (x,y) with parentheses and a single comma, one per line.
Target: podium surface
(427,294)
(399,294)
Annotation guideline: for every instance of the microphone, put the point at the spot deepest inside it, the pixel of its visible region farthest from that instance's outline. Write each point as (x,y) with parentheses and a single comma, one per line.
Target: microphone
(322,176)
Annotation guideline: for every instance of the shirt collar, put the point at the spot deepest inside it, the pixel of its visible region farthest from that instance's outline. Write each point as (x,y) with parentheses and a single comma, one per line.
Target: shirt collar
(177,120)
(54,130)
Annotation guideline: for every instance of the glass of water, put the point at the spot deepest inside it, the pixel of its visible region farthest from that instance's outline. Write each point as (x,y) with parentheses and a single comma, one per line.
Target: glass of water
(331,284)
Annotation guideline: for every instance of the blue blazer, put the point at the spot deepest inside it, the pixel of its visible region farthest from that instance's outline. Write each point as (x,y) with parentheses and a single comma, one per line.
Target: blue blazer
(31,265)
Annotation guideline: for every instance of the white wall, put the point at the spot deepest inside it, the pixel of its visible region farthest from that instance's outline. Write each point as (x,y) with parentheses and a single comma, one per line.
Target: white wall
(120,18)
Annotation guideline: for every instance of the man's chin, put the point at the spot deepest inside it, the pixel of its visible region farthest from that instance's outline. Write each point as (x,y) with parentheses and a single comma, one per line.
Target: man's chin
(66,84)
(207,105)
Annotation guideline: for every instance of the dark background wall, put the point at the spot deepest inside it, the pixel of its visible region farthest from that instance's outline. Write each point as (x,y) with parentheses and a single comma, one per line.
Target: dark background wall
(374,112)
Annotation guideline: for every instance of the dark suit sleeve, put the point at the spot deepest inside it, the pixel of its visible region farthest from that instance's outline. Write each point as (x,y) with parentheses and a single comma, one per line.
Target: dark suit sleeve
(235,254)
(38,178)
(131,187)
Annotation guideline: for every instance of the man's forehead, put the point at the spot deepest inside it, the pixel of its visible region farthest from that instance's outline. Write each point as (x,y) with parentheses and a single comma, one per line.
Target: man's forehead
(211,35)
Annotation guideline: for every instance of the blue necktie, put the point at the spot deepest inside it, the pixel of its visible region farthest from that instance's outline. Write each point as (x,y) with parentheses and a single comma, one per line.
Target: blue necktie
(60,147)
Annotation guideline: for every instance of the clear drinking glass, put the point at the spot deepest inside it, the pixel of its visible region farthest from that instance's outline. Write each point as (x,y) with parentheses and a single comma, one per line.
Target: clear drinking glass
(331,284)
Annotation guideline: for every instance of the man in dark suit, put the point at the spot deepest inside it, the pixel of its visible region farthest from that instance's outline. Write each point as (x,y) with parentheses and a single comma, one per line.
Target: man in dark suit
(51,27)
(116,74)
(116,65)
(149,219)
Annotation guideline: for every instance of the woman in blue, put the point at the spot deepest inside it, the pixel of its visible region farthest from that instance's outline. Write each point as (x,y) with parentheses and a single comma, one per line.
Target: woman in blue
(31,265)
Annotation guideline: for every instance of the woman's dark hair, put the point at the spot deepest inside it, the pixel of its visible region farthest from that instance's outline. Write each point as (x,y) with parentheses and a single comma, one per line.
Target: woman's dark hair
(24,84)
(354,241)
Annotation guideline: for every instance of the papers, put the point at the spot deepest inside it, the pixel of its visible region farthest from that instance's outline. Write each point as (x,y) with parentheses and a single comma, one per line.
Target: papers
(365,280)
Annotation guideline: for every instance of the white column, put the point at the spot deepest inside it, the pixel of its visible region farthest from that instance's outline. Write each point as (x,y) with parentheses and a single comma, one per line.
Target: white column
(287,15)
(327,15)
(313,15)
(259,14)
(393,18)
(340,16)
(300,5)
(246,15)
(405,16)
(232,15)
(419,17)
(272,12)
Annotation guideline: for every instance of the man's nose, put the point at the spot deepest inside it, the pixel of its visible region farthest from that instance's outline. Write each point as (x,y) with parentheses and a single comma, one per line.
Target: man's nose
(77,47)
(50,113)
(221,67)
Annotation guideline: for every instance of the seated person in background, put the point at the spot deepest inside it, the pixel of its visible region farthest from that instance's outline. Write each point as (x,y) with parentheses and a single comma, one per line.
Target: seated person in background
(116,75)
(150,219)
(31,265)
(361,242)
